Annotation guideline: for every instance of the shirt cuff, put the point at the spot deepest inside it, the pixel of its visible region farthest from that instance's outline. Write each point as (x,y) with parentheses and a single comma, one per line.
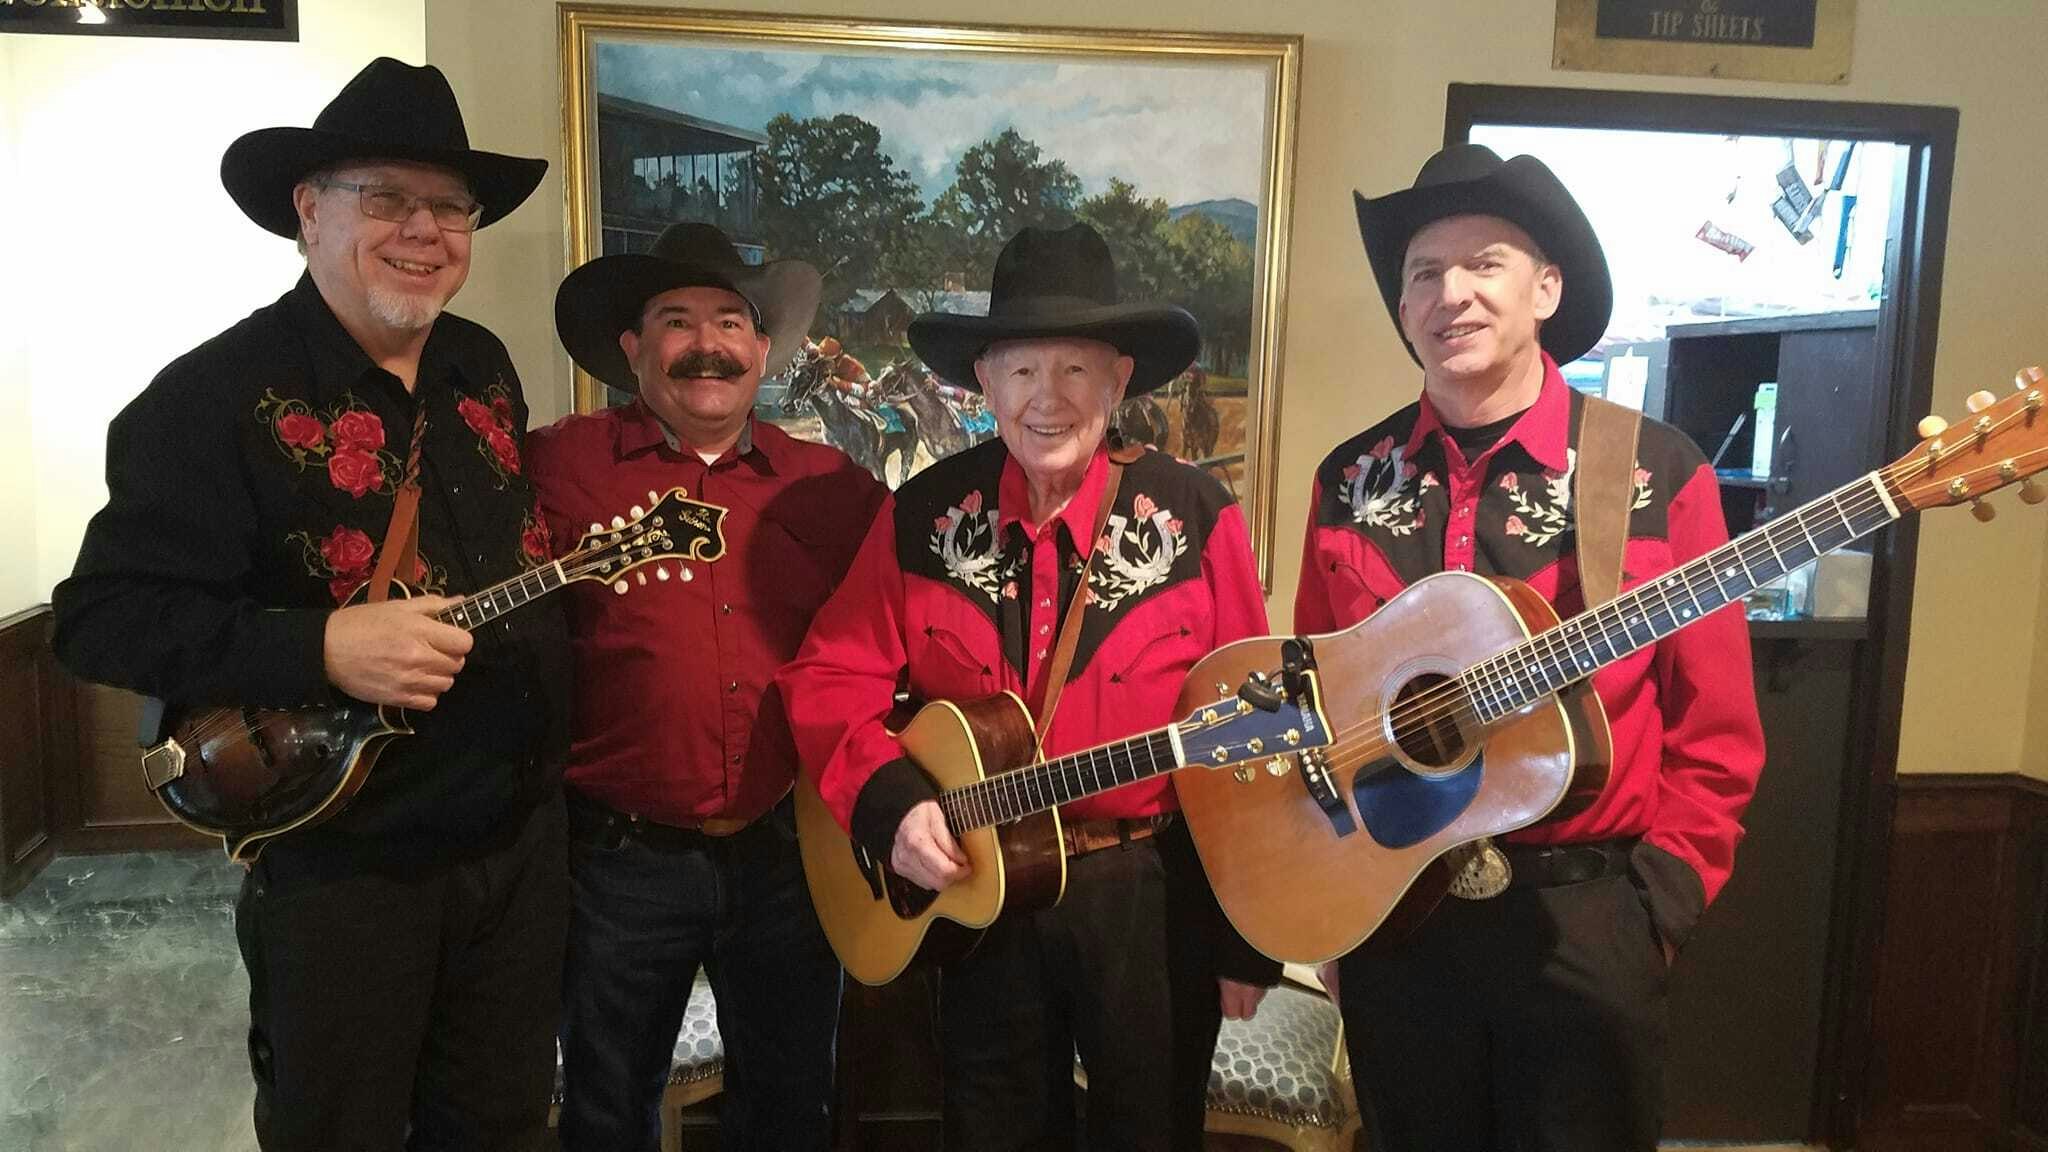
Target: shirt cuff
(887,797)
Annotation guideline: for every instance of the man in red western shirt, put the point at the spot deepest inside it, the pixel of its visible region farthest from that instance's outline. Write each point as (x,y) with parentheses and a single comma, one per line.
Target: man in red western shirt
(682,845)
(959,591)
(1533,1020)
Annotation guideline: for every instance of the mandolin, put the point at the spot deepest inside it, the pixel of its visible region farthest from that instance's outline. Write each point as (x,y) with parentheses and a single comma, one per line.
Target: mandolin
(249,774)
(1462,709)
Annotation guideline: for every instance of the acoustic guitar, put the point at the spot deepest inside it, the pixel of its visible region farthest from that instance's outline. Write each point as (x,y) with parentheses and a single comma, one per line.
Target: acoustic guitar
(247,775)
(999,797)
(1462,710)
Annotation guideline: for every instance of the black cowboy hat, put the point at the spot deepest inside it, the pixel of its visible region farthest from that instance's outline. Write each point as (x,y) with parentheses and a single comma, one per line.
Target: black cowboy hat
(1059,283)
(606,296)
(1471,180)
(390,111)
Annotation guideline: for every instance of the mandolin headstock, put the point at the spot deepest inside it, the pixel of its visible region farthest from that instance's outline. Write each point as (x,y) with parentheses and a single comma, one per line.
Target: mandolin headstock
(675,528)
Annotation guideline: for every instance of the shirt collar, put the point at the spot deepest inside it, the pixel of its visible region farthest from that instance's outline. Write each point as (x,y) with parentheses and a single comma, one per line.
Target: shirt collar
(339,363)
(1544,431)
(639,429)
(1013,499)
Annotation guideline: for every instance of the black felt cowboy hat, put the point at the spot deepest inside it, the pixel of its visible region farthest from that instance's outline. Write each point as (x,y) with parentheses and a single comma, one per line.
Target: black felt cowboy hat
(1471,180)
(606,296)
(390,111)
(1052,283)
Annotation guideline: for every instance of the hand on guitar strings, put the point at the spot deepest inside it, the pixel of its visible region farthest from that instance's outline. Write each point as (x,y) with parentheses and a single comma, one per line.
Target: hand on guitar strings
(925,852)
(395,652)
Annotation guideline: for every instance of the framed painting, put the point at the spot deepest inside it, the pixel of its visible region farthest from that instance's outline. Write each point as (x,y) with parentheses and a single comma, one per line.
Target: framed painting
(897,159)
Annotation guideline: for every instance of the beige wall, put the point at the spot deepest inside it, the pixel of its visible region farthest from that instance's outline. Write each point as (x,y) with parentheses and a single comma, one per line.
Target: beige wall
(1374,75)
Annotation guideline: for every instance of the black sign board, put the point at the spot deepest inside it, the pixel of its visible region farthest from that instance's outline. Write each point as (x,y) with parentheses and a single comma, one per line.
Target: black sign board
(198,19)
(1765,23)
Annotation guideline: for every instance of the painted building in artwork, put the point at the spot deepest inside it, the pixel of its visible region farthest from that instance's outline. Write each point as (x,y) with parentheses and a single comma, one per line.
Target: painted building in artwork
(661,166)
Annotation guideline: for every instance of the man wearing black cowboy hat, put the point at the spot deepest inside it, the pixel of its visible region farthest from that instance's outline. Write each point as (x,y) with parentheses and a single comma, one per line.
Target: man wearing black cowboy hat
(1533,1019)
(682,843)
(965,587)
(404,957)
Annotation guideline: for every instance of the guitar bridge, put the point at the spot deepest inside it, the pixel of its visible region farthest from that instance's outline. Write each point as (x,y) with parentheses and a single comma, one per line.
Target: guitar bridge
(163,764)
(1322,788)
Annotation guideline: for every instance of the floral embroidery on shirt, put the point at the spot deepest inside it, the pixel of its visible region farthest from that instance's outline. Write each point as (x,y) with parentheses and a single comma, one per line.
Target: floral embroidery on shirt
(491,419)
(1385,491)
(536,542)
(1642,499)
(1537,520)
(346,558)
(964,540)
(349,439)
(1135,553)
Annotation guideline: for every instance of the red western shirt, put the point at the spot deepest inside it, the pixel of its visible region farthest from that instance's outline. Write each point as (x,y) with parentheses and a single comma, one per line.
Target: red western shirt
(955,556)
(669,676)
(1400,501)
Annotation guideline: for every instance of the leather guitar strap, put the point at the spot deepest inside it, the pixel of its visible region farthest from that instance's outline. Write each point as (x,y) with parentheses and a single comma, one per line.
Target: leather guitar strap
(1603,493)
(1070,628)
(400,552)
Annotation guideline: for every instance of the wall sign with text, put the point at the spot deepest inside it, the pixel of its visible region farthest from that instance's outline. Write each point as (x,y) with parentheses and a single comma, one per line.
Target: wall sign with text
(192,19)
(1797,40)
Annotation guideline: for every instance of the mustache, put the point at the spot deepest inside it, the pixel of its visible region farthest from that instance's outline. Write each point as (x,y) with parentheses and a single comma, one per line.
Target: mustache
(707,363)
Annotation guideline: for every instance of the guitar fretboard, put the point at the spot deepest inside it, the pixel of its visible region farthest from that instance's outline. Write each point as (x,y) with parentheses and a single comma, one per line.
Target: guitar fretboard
(1048,784)
(1581,646)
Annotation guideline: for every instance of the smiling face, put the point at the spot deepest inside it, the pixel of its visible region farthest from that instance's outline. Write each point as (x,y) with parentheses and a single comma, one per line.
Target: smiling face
(698,358)
(387,280)
(1052,401)
(1475,290)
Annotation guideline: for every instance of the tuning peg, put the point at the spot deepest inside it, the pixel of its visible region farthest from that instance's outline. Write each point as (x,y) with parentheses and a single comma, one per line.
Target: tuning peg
(2026,378)
(637,511)
(660,573)
(688,575)
(619,586)
(596,527)
(2031,493)
(652,498)
(1980,400)
(618,521)
(1931,426)
(1984,513)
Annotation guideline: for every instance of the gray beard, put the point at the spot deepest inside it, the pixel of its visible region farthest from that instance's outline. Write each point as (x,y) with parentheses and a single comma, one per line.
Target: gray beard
(404,311)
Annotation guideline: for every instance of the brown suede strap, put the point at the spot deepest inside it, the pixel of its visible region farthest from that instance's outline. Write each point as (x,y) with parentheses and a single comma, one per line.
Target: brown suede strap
(1070,628)
(400,552)
(1603,494)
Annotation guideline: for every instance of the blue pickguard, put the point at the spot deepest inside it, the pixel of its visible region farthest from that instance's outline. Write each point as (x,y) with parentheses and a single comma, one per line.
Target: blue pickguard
(1401,808)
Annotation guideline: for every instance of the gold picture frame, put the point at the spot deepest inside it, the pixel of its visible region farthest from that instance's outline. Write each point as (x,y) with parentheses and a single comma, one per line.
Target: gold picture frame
(1578,48)
(658,124)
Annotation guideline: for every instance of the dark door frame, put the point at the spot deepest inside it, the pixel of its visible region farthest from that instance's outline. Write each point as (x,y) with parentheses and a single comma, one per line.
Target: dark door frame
(1907,333)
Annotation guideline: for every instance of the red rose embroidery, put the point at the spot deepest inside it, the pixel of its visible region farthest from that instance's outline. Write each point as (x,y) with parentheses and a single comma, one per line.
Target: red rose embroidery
(342,587)
(503,448)
(535,542)
(1351,472)
(476,416)
(502,409)
(1515,527)
(972,504)
(355,472)
(1174,526)
(348,551)
(358,431)
(1144,506)
(1642,477)
(1508,483)
(943,523)
(1380,450)
(301,431)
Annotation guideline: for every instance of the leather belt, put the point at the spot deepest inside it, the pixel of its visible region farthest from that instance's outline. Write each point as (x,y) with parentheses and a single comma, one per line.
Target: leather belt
(612,822)
(1085,836)
(1555,865)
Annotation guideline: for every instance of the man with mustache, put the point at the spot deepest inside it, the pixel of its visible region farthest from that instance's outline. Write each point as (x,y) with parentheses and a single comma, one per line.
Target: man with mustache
(682,842)
(404,957)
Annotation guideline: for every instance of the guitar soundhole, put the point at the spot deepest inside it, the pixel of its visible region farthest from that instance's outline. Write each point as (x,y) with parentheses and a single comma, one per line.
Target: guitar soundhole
(1425,721)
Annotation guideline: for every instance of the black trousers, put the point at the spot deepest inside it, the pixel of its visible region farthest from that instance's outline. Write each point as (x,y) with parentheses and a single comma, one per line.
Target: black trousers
(407,1009)
(1532,1022)
(1122,971)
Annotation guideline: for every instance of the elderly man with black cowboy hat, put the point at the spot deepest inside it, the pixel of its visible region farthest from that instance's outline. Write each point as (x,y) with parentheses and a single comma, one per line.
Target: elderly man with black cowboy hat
(404,956)
(1533,1019)
(963,588)
(682,844)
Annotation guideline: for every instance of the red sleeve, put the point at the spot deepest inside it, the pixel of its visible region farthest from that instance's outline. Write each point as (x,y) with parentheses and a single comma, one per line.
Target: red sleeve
(841,685)
(1713,740)
(1312,613)
(1233,579)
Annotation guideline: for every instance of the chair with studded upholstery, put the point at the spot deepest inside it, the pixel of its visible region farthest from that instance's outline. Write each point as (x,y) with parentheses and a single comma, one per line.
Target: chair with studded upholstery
(1282,1075)
(696,1073)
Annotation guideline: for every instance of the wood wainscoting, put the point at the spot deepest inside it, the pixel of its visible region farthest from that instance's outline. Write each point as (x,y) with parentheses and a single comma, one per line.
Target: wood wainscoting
(1959,1027)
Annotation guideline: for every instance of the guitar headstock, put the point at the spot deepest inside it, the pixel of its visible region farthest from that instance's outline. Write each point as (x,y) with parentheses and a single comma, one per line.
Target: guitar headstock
(2004,440)
(675,528)
(1271,715)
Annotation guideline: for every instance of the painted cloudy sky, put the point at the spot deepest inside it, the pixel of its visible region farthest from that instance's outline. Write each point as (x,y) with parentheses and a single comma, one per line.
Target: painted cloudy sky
(1182,134)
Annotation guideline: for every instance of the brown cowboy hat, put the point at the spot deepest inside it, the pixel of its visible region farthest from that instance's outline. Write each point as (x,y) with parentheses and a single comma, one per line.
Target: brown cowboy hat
(390,111)
(1472,180)
(606,296)
(1051,283)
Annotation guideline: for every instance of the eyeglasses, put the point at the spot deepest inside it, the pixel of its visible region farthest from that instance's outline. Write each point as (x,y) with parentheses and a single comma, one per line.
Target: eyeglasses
(382,202)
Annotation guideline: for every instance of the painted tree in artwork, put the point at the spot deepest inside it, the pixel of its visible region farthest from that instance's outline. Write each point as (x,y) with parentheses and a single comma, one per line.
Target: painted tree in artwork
(830,196)
(1134,227)
(1000,187)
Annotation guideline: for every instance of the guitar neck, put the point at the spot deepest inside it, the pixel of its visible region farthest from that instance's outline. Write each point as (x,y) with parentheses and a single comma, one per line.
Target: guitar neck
(1638,618)
(1048,784)
(480,608)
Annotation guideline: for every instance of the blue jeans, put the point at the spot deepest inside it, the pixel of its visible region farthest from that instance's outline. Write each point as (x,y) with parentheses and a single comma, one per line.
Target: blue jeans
(646,912)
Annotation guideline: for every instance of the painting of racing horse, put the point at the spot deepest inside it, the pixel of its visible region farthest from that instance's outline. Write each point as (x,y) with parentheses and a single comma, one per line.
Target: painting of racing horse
(938,423)
(869,438)
(1200,424)
(1140,420)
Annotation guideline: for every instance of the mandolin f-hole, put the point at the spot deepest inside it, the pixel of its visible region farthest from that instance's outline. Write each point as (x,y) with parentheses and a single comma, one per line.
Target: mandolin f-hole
(1424,723)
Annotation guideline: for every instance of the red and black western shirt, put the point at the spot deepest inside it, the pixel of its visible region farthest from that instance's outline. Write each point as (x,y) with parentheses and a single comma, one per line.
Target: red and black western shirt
(954,566)
(1400,502)
(670,722)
